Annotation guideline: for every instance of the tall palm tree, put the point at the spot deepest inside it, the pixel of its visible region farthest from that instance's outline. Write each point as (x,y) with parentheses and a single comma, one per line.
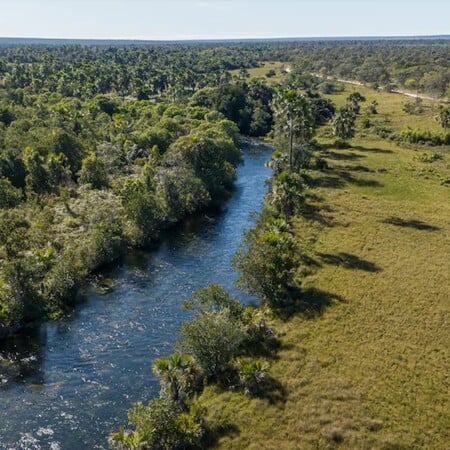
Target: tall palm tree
(294,114)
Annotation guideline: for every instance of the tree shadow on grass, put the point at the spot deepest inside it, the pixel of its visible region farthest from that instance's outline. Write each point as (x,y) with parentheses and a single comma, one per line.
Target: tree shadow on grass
(357,168)
(329,181)
(349,261)
(309,303)
(358,181)
(371,150)
(412,223)
(271,390)
(213,433)
(338,178)
(343,156)
(316,213)
(266,347)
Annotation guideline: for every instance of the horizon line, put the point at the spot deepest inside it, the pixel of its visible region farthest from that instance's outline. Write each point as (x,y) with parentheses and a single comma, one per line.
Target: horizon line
(226,39)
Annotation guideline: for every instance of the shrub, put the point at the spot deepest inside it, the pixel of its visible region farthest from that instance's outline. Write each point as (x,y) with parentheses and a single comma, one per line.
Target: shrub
(214,339)
(416,136)
(9,195)
(93,172)
(252,375)
(267,263)
(162,425)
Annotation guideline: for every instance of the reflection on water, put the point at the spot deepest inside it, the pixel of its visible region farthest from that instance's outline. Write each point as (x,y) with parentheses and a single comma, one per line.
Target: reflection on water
(68,384)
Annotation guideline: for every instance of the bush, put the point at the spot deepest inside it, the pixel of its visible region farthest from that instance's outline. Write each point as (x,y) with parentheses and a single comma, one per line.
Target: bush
(424,137)
(162,425)
(93,172)
(252,375)
(214,339)
(267,263)
(9,195)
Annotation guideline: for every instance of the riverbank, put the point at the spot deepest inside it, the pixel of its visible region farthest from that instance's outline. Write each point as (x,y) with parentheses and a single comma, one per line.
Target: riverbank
(72,376)
(51,242)
(366,365)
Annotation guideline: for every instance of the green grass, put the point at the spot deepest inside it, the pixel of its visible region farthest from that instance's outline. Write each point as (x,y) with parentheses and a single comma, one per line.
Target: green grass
(390,108)
(369,368)
(260,72)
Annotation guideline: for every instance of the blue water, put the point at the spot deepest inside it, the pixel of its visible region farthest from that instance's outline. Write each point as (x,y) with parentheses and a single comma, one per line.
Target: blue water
(73,380)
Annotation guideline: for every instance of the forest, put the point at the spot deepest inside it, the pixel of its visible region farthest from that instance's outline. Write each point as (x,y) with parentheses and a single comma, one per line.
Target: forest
(103,148)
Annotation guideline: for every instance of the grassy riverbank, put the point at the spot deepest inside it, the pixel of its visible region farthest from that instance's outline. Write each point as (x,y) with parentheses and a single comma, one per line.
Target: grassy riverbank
(366,364)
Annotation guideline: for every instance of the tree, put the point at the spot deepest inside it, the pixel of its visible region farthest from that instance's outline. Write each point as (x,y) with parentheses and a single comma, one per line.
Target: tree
(37,179)
(68,144)
(9,195)
(214,299)
(214,339)
(353,102)
(179,377)
(444,118)
(344,124)
(161,425)
(93,172)
(372,107)
(144,207)
(294,116)
(286,193)
(267,263)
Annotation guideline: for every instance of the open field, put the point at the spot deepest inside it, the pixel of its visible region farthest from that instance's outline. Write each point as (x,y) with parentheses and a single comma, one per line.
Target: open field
(390,109)
(367,365)
(260,72)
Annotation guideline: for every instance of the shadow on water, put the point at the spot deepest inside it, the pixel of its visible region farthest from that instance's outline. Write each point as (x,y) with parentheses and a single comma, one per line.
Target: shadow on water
(411,223)
(349,261)
(21,358)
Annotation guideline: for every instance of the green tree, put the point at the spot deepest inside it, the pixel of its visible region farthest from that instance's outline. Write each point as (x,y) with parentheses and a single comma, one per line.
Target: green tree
(69,145)
(344,124)
(179,377)
(93,172)
(294,116)
(9,195)
(37,179)
(286,193)
(354,100)
(144,207)
(444,118)
(214,339)
(161,425)
(267,263)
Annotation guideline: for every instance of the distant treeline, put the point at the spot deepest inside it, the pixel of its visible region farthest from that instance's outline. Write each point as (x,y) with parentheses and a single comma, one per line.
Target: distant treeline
(179,69)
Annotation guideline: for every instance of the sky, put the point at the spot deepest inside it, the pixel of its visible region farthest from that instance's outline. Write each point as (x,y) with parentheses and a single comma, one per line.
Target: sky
(221,19)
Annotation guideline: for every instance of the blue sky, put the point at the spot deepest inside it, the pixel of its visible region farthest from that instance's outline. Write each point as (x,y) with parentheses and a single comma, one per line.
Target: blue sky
(194,19)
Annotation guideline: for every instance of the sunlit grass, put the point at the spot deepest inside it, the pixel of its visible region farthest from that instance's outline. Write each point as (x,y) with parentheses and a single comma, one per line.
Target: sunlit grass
(260,72)
(371,368)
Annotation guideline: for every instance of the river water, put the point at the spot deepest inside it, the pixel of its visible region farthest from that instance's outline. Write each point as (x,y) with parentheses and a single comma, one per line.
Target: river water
(72,381)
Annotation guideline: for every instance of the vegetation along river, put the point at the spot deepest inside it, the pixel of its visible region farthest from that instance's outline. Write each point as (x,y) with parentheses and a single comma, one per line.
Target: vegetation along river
(71,382)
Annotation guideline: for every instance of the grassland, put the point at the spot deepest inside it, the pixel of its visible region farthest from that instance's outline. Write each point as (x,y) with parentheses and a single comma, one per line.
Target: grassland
(259,73)
(367,365)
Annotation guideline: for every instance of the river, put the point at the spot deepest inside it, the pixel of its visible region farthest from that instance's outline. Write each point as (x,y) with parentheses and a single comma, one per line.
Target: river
(73,380)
